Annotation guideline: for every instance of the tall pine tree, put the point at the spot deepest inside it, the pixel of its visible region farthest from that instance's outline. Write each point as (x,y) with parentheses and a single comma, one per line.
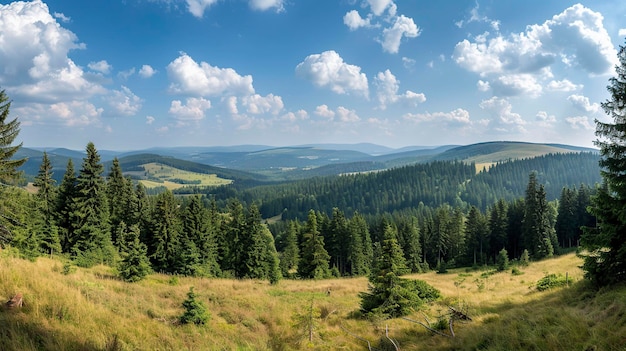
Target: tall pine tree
(606,262)
(314,258)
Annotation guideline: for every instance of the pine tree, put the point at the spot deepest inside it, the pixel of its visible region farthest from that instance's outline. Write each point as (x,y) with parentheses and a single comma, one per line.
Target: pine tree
(291,253)
(195,310)
(46,204)
(120,197)
(9,130)
(388,296)
(498,225)
(198,228)
(538,232)
(314,258)
(8,166)
(164,237)
(90,215)
(476,232)
(135,264)
(64,206)
(606,262)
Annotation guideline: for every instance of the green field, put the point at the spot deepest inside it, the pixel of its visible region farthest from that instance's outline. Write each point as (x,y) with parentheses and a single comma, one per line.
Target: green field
(156,175)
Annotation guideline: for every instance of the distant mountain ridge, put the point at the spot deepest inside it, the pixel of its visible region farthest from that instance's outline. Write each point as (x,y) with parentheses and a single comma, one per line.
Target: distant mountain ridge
(266,163)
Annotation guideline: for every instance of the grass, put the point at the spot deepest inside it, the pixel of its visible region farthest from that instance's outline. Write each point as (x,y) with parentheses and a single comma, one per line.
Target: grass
(174,178)
(89,309)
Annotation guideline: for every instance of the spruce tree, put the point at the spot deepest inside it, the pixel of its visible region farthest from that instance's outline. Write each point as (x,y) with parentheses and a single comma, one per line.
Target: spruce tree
(538,231)
(195,310)
(90,215)
(64,206)
(120,197)
(9,174)
(135,264)
(314,258)
(198,228)
(291,253)
(46,204)
(605,263)
(164,238)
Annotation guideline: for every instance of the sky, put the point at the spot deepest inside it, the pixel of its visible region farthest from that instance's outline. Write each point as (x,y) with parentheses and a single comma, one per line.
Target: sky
(136,74)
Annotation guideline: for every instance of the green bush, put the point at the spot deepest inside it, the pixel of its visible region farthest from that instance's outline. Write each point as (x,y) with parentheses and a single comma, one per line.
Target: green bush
(551,281)
(195,311)
(425,291)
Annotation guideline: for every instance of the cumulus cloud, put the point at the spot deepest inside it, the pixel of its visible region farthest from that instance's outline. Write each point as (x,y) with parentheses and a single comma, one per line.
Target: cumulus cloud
(544,118)
(257,104)
(324,111)
(41,69)
(582,103)
(329,70)
(124,102)
(100,66)
(579,122)
(576,37)
(475,16)
(354,21)
(394,27)
(501,112)
(149,119)
(201,79)
(126,74)
(387,91)
(61,17)
(345,115)
(408,62)
(70,113)
(147,71)
(482,85)
(402,27)
(197,7)
(263,5)
(193,110)
(563,85)
(379,6)
(459,116)
(622,32)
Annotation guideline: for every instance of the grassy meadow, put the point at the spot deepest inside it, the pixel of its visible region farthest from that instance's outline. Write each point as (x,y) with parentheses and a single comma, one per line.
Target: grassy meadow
(69,308)
(174,178)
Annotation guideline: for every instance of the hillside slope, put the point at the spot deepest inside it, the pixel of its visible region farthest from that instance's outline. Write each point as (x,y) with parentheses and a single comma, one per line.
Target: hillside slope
(89,309)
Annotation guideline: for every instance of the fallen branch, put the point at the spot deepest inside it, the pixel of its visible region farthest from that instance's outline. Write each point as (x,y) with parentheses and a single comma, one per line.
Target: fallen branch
(369,345)
(388,338)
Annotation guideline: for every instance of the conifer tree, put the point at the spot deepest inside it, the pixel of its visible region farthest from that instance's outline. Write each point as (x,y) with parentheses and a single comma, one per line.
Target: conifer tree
(361,254)
(195,310)
(388,296)
(9,130)
(498,228)
(198,228)
(46,204)
(120,197)
(291,253)
(90,215)
(408,229)
(229,242)
(314,258)
(135,264)
(476,231)
(164,238)
(253,247)
(64,206)
(537,229)
(606,243)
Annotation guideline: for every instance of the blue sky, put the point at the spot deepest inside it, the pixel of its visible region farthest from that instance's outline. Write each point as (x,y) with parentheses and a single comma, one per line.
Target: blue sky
(133,74)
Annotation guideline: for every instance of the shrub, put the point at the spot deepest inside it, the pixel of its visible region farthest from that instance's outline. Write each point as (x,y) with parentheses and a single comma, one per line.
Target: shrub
(551,281)
(195,311)
(503,260)
(425,291)
(516,271)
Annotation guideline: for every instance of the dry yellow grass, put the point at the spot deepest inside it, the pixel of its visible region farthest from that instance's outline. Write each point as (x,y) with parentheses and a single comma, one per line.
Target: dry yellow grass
(169,174)
(89,309)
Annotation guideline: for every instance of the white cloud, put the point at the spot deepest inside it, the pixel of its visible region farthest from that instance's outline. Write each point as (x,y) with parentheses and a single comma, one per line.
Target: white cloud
(149,119)
(482,85)
(41,69)
(329,70)
(100,66)
(577,33)
(379,6)
(191,78)
(324,111)
(263,5)
(345,115)
(402,27)
(459,116)
(579,122)
(408,62)
(563,85)
(501,112)
(545,119)
(70,113)
(582,103)
(353,20)
(61,17)
(147,71)
(475,16)
(126,74)
(387,91)
(516,84)
(299,115)
(124,102)
(257,104)
(197,7)
(193,110)
(622,32)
